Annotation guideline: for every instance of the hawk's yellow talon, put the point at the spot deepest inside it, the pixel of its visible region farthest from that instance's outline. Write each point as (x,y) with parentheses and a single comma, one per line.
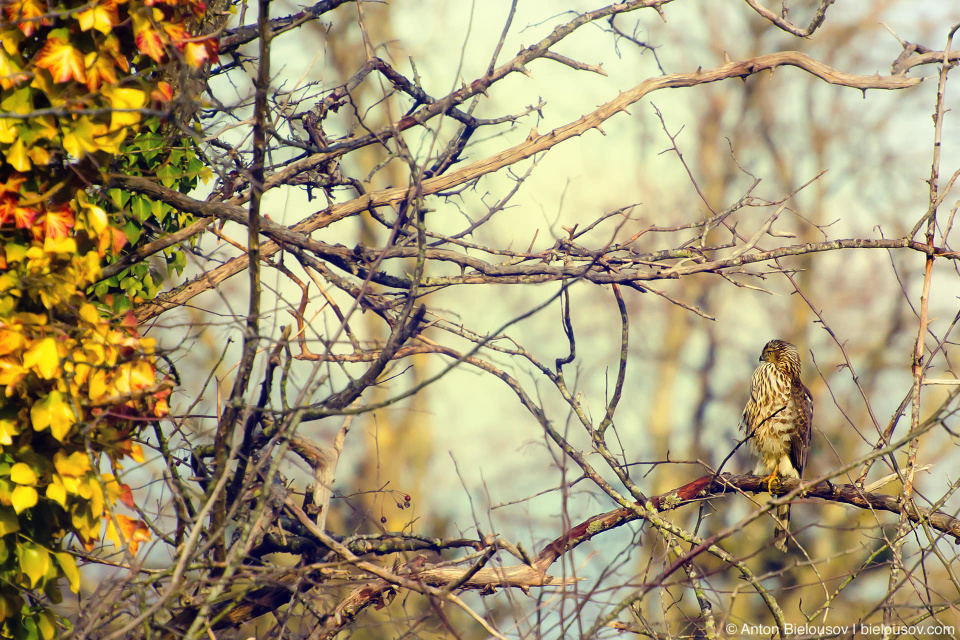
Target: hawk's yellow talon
(773,482)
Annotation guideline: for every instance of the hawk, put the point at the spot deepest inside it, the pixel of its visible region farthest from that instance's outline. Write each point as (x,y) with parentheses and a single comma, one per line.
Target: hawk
(778,416)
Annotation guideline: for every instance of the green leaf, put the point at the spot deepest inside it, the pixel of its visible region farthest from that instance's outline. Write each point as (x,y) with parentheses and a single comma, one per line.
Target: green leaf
(132,286)
(119,197)
(18,101)
(132,231)
(168,175)
(177,261)
(140,208)
(9,523)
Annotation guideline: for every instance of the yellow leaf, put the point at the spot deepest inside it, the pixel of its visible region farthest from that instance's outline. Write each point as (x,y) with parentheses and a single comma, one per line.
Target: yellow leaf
(18,158)
(43,358)
(101,17)
(45,127)
(23,498)
(22,473)
(11,339)
(46,625)
(11,372)
(97,218)
(109,140)
(8,429)
(56,491)
(97,385)
(39,155)
(15,252)
(134,376)
(123,99)
(94,494)
(114,488)
(34,561)
(8,132)
(112,534)
(90,314)
(85,523)
(52,412)
(78,140)
(19,101)
(9,523)
(69,567)
(64,244)
(76,464)
(11,72)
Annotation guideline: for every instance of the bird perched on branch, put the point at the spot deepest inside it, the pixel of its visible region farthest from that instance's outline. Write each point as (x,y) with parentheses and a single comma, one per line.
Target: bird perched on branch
(777,419)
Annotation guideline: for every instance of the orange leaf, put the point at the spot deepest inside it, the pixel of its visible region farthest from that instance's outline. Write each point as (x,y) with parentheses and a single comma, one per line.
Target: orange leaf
(119,239)
(101,69)
(25,13)
(148,39)
(111,46)
(24,217)
(197,53)
(177,33)
(163,92)
(134,532)
(8,209)
(57,223)
(13,184)
(60,58)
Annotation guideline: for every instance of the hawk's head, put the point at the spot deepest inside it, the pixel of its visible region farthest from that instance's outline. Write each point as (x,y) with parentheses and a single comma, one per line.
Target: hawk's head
(783,355)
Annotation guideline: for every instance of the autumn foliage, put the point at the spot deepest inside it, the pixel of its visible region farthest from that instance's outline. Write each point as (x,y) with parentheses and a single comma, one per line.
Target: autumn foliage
(80,83)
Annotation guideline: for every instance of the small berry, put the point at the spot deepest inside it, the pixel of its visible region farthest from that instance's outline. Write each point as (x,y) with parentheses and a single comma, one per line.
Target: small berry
(383,519)
(406,498)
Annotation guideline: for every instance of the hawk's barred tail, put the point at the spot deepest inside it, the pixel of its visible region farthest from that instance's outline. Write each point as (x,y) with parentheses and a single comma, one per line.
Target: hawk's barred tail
(781,533)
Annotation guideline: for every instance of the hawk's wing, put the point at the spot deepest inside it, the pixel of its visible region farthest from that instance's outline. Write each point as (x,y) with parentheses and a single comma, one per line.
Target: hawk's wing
(800,439)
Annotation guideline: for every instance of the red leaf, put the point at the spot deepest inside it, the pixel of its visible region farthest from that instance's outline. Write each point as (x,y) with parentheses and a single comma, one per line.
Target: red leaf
(8,209)
(126,496)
